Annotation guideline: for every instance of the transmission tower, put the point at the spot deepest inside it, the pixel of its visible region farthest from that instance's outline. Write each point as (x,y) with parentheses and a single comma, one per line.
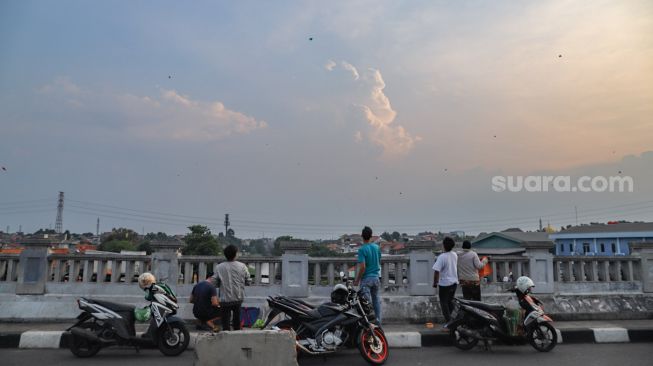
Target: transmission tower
(58,227)
(226,224)
(97,228)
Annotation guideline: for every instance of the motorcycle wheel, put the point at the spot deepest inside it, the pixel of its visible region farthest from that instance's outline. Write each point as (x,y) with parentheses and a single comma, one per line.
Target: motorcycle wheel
(373,346)
(542,337)
(173,339)
(460,340)
(82,347)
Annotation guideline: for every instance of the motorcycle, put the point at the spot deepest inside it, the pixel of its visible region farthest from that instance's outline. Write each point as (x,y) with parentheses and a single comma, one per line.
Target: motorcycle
(103,323)
(346,321)
(473,321)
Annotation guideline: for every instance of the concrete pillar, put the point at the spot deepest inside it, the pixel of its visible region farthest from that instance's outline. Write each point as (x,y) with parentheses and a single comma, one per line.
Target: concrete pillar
(420,271)
(33,266)
(541,265)
(165,261)
(294,268)
(644,250)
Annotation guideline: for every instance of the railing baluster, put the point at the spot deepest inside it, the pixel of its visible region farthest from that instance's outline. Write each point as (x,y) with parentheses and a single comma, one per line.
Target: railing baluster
(330,271)
(386,274)
(257,274)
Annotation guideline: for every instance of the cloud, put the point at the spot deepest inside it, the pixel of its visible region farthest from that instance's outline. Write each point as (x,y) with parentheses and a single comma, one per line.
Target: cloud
(178,117)
(377,110)
(167,116)
(349,67)
(330,65)
(394,139)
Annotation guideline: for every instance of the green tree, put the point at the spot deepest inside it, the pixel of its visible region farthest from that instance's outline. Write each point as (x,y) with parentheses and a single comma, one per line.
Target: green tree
(145,246)
(386,236)
(276,249)
(200,241)
(257,246)
(396,236)
(122,234)
(116,246)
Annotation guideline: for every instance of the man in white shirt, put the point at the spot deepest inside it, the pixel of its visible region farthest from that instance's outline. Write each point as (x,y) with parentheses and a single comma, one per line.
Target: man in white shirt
(446,276)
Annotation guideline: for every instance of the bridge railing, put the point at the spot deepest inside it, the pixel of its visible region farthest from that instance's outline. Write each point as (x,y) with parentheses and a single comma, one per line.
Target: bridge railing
(597,269)
(409,274)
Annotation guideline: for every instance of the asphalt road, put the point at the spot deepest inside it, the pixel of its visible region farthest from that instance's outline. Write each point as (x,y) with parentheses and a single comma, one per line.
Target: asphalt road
(635,354)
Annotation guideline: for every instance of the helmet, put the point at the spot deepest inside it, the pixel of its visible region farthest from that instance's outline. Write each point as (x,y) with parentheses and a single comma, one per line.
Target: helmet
(524,284)
(146,280)
(339,294)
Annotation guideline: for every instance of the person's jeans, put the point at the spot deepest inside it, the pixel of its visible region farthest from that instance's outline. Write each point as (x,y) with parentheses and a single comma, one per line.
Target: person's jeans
(370,289)
(230,314)
(471,292)
(446,294)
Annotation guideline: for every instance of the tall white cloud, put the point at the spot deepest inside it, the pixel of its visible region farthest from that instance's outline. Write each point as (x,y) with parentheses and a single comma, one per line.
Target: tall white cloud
(377,110)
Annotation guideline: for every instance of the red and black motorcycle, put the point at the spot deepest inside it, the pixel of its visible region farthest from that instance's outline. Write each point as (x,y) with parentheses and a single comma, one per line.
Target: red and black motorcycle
(346,321)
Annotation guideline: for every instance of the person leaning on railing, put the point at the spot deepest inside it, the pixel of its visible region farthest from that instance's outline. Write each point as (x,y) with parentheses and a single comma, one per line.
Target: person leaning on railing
(468,267)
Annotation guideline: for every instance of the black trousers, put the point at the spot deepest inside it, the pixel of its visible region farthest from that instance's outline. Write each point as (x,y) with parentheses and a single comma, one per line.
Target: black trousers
(230,314)
(471,292)
(446,294)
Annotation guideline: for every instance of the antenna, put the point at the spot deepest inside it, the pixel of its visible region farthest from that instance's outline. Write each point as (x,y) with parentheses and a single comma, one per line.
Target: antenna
(576,210)
(58,227)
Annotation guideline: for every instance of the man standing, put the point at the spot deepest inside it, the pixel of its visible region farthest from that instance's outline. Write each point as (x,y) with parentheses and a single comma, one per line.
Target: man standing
(369,271)
(232,277)
(446,276)
(468,266)
(206,307)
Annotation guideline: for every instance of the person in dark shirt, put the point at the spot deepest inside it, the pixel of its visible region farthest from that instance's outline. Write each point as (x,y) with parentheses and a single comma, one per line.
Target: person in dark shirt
(206,306)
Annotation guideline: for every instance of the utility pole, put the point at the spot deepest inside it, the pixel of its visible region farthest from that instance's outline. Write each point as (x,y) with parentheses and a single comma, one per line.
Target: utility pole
(540,224)
(576,210)
(97,227)
(58,226)
(20,228)
(226,224)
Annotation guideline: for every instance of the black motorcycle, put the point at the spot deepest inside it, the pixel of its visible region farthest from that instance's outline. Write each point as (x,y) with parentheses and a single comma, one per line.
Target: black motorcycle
(104,323)
(473,321)
(346,321)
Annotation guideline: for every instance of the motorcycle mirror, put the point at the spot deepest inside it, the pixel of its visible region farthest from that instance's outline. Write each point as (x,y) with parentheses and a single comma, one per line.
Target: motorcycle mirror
(342,274)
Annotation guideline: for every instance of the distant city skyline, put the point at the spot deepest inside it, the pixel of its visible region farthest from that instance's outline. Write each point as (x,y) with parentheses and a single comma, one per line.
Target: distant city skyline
(317,119)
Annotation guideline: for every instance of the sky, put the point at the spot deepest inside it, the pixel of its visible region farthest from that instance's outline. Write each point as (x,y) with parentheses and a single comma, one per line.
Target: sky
(314,119)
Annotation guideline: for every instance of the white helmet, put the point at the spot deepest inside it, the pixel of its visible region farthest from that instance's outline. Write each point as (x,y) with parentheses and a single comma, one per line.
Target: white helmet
(524,284)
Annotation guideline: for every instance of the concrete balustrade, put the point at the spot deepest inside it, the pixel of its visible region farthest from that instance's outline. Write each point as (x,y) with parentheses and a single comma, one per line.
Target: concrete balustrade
(623,281)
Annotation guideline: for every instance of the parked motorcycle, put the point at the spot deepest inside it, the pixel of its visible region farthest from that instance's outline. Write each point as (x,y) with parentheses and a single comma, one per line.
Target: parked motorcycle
(473,321)
(346,321)
(104,323)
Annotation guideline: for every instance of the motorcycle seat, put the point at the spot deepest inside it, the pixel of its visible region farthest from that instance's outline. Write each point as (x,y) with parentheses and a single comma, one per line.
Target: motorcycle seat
(114,306)
(484,306)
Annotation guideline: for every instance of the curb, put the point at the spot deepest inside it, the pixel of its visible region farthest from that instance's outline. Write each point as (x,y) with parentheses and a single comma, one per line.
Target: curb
(427,338)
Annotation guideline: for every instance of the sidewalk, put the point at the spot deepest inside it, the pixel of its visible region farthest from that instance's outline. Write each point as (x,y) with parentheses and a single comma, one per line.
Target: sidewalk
(50,335)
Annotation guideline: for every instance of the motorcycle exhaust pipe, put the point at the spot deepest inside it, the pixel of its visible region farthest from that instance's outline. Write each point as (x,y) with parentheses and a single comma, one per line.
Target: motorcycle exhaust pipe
(86,334)
(300,346)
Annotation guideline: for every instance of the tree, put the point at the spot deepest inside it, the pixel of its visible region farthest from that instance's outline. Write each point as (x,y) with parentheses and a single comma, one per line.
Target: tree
(200,241)
(386,236)
(121,234)
(396,236)
(231,233)
(145,246)
(257,246)
(116,246)
(276,250)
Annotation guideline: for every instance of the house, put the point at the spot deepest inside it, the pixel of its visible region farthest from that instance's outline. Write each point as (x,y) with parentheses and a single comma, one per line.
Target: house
(509,242)
(601,239)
